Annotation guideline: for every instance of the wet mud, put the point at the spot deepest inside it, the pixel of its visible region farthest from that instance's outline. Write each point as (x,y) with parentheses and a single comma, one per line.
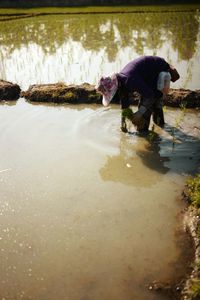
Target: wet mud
(191,289)
(87,94)
(188,287)
(9,91)
(177,287)
(61,93)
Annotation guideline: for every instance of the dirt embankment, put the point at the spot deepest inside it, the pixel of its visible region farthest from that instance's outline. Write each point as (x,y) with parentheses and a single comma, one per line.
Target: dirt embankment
(86,93)
(188,288)
(9,91)
(191,194)
(69,3)
(191,290)
(61,93)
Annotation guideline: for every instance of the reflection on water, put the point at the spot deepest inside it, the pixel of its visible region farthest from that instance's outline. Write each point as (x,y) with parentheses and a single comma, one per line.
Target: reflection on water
(79,48)
(86,211)
(133,165)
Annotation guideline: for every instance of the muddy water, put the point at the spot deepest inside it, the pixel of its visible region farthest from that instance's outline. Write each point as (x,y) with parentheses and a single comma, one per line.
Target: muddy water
(88,212)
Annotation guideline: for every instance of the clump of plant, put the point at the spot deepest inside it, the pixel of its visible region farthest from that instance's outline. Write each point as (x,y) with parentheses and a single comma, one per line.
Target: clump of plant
(178,121)
(152,134)
(193,187)
(127,114)
(194,291)
(69,95)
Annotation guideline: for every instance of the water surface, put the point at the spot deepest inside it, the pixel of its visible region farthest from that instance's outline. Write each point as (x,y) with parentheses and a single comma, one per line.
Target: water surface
(79,48)
(88,212)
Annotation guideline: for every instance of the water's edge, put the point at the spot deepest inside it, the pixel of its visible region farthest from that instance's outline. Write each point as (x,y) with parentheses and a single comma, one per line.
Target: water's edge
(87,94)
(191,223)
(188,288)
(83,3)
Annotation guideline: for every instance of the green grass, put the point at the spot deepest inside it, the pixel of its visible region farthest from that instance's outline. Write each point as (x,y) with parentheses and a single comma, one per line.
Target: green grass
(193,185)
(195,289)
(99,9)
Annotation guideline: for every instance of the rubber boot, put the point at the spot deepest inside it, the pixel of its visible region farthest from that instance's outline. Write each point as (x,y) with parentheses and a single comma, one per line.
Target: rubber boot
(145,127)
(158,117)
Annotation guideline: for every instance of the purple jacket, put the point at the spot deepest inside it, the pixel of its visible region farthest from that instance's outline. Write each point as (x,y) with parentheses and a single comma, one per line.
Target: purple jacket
(141,75)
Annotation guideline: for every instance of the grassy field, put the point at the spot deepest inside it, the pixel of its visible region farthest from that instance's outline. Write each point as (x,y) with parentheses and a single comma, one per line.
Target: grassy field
(98,9)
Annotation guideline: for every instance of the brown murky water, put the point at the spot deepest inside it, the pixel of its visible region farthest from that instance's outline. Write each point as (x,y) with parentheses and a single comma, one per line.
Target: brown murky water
(88,212)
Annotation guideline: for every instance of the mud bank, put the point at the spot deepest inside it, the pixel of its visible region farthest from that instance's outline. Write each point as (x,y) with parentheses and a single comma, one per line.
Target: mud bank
(192,224)
(61,93)
(69,3)
(87,94)
(187,288)
(191,289)
(9,91)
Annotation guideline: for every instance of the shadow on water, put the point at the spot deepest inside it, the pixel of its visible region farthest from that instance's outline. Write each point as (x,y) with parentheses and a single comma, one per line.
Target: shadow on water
(173,152)
(184,155)
(121,226)
(178,153)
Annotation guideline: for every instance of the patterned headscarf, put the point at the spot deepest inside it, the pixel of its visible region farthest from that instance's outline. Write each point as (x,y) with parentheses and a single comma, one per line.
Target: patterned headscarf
(108,86)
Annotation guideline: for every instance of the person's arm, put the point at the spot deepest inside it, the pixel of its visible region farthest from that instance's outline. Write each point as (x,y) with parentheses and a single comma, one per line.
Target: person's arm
(163,83)
(124,100)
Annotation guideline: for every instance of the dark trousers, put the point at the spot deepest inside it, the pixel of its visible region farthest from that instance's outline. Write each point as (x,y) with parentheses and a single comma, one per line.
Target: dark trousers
(156,110)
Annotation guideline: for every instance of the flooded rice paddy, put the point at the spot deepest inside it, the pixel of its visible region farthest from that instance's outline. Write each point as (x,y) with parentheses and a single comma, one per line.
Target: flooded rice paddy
(80,48)
(88,212)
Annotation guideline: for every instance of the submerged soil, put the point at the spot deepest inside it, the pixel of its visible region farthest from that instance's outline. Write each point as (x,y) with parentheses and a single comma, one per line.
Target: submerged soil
(60,93)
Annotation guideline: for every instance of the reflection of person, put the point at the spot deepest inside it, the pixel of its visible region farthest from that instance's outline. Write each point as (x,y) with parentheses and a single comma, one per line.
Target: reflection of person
(140,165)
(149,76)
(143,163)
